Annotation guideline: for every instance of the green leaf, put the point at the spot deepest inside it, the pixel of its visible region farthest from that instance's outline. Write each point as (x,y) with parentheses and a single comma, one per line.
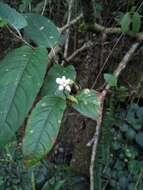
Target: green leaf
(123,181)
(135,116)
(57,71)
(136,22)
(21,76)
(110,79)
(137,126)
(24,4)
(116,145)
(88,103)
(131,152)
(12,17)
(56,186)
(134,166)
(124,127)
(139,139)
(41,30)
(2,23)
(132,186)
(130,134)
(43,127)
(131,118)
(125,22)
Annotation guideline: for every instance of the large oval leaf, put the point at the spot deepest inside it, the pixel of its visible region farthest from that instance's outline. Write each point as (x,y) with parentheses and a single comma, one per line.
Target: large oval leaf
(43,127)
(87,103)
(21,76)
(57,71)
(136,22)
(12,17)
(41,30)
(125,22)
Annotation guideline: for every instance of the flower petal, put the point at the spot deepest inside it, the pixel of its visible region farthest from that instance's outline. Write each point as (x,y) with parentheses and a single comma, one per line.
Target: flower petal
(61,87)
(63,78)
(68,88)
(58,80)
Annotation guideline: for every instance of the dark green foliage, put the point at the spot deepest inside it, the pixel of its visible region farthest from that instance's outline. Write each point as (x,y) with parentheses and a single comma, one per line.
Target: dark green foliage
(13,174)
(21,76)
(124,170)
(103,152)
(42,128)
(42,31)
(110,79)
(12,17)
(131,23)
(119,163)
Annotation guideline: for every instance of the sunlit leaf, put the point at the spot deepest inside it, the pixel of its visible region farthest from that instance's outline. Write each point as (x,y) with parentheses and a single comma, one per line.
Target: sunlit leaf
(42,30)
(42,128)
(21,76)
(88,103)
(12,17)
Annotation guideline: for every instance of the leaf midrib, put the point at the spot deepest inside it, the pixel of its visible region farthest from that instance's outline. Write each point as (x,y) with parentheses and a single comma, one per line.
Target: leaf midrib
(42,130)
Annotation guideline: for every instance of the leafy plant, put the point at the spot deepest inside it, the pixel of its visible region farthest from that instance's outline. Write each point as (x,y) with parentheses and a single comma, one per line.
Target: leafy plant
(131,23)
(43,127)
(22,75)
(123,171)
(125,22)
(110,79)
(50,87)
(36,92)
(87,103)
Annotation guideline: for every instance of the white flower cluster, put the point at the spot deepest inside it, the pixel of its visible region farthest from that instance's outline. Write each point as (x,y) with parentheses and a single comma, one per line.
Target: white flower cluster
(64,84)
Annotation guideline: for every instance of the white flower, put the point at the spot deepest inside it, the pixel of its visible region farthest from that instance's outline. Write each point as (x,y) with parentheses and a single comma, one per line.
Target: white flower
(64,84)
(68,88)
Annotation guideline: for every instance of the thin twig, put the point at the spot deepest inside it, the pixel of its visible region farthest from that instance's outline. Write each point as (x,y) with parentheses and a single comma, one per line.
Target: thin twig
(57,49)
(44,7)
(122,65)
(81,49)
(126,59)
(74,21)
(19,36)
(29,7)
(139,6)
(52,55)
(106,61)
(68,30)
(112,30)
(96,139)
